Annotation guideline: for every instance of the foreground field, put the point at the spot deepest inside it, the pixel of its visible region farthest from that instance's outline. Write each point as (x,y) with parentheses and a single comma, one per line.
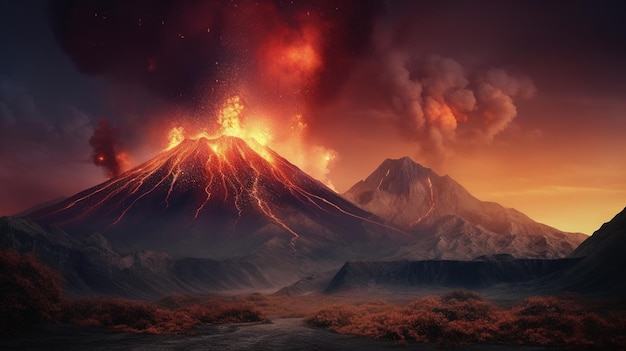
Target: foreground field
(456,320)
(288,334)
(36,315)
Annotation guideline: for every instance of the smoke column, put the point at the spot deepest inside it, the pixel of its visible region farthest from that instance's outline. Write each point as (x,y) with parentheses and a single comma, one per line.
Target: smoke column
(105,144)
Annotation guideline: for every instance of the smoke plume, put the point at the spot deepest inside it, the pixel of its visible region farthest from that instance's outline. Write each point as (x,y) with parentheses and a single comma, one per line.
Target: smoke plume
(106,148)
(436,102)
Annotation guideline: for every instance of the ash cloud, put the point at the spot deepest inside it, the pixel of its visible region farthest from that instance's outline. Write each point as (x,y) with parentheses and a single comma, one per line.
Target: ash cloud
(192,53)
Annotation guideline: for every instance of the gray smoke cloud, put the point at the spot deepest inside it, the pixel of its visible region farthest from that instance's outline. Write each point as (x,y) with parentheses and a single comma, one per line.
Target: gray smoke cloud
(435,101)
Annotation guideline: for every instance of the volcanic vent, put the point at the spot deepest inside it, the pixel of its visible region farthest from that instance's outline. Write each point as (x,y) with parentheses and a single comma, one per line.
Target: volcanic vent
(219,197)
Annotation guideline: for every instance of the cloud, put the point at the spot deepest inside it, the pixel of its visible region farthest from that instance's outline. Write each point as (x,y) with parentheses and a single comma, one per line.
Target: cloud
(39,152)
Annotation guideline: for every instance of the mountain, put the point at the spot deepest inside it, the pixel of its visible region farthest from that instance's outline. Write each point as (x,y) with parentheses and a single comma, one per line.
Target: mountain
(91,266)
(448,221)
(223,198)
(601,269)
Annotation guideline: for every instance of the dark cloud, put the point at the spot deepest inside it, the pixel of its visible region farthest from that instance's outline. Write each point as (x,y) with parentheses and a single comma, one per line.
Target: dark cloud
(184,51)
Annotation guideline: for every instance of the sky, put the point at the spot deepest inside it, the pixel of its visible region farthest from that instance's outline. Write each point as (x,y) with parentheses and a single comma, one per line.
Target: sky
(521,102)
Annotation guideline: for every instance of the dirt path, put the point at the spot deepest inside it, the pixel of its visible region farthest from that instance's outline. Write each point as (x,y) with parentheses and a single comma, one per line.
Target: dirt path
(290,334)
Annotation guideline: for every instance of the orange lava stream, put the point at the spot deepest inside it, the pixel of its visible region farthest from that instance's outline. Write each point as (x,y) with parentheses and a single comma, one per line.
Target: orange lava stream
(432,205)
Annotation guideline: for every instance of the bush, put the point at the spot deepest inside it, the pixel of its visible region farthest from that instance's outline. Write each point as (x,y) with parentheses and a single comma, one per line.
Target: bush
(171,315)
(463,317)
(30,292)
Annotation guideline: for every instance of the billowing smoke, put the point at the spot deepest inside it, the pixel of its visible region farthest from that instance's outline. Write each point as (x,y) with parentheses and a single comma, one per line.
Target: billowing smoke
(105,142)
(439,104)
(435,102)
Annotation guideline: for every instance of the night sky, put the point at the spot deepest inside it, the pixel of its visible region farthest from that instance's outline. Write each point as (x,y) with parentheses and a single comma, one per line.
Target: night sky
(522,102)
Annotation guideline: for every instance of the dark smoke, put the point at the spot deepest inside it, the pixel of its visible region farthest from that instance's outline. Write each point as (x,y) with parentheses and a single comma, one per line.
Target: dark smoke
(180,50)
(106,144)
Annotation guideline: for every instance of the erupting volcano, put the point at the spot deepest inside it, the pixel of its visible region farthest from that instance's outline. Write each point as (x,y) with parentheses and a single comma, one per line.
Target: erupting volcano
(219,197)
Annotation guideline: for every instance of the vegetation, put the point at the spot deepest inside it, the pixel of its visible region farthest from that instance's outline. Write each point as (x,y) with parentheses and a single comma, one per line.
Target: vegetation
(30,293)
(462,317)
(174,315)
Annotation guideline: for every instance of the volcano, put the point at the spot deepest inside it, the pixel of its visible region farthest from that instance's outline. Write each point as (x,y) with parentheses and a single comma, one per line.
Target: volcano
(448,222)
(221,198)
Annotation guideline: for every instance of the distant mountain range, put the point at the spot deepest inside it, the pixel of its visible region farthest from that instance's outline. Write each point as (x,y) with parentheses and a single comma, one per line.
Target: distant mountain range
(229,214)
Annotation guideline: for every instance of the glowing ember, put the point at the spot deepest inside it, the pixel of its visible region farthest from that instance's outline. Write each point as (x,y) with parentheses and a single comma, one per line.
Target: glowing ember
(229,117)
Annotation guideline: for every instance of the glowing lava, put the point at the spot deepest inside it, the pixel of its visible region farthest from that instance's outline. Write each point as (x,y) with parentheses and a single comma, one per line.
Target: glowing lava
(230,124)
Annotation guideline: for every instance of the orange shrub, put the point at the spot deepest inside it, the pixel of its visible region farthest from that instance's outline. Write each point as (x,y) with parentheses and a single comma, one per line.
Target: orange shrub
(140,317)
(30,292)
(462,317)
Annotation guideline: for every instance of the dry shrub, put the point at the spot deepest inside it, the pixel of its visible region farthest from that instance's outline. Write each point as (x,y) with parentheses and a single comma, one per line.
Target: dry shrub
(30,292)
(554,321)
(462,317)
(171,315)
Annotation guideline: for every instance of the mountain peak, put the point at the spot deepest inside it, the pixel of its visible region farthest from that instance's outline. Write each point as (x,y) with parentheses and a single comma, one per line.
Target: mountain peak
(406,168)
(415,198)
(396,176)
